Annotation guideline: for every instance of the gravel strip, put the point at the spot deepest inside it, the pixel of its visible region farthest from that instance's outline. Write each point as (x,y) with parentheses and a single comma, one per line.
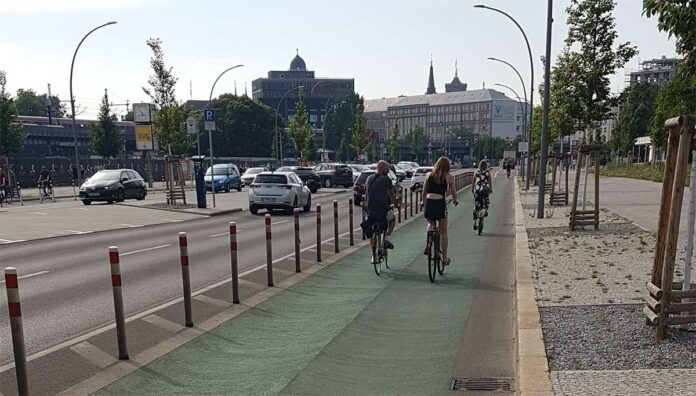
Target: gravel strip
(624,382)
(611,337)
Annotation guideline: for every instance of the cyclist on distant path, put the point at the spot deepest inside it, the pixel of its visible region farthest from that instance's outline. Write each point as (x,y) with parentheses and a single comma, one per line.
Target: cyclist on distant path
(435,187)
(44,178)
(379,194)
(482,188)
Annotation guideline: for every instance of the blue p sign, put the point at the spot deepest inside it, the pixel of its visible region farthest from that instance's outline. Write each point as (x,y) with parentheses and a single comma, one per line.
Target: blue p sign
(209,115)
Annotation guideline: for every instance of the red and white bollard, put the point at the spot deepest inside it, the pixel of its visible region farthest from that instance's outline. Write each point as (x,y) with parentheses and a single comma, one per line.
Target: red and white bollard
(350,220)
(186,276)
(20,353)
(269,251)
(296,217)
(118,302)
(319,233)
(335,224)
(234,263)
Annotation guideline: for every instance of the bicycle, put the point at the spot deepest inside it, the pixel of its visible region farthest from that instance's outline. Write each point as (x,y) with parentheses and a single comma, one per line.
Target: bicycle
(379,234)
(480,213)
(46,191)
(5,196)
(435,262)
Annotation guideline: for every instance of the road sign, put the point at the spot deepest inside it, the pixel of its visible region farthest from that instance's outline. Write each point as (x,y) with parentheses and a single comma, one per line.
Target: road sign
(143,137)
(142,113)
(191,125)
(523,147)
(209,117)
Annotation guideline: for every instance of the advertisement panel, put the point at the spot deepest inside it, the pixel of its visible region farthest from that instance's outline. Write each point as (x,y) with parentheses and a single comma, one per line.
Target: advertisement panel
(143,137)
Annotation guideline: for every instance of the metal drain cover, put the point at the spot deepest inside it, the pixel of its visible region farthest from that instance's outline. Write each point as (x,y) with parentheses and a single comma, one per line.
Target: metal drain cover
(482,384)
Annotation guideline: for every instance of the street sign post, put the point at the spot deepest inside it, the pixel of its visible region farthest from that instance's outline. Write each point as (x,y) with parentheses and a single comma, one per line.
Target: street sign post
(192,129)
(209,118)
(523,147)
(209,115)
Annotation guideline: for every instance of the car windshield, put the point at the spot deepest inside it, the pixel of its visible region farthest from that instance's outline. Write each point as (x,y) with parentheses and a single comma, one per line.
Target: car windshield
(271,179)
(422,170)
(253,171)
(220,169)
(106,175)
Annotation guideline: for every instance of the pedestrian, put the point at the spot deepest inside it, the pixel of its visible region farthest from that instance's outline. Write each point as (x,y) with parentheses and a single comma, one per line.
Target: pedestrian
(73,170)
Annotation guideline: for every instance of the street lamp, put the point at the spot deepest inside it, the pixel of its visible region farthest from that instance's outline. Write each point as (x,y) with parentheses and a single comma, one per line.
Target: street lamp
(279,139)
(531,87)
(524,113)
(210,131)
(72,101)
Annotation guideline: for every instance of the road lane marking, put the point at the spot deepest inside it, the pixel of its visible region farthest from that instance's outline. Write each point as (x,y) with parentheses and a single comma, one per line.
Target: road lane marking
(76,232)
(94,355)
(131,225)
(223,233)
(29,275)
(84,209)
(145,250)
(280,222)
(163,323)
(40,213)
(12,241)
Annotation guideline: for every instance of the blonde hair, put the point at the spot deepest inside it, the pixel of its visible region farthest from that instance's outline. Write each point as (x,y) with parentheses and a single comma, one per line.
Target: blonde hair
(441,170)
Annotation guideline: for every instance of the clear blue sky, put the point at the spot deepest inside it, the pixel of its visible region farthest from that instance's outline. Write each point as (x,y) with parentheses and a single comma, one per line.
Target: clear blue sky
(384,44)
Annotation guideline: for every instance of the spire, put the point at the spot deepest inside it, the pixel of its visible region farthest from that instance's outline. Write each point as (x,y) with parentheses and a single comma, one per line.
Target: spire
(456,72)
(431,79)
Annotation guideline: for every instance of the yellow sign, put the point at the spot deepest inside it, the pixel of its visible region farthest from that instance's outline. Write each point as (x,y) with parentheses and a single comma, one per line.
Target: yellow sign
(143,137)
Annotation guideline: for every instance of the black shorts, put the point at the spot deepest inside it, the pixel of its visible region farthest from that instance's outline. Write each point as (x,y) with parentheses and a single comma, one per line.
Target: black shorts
(435,209)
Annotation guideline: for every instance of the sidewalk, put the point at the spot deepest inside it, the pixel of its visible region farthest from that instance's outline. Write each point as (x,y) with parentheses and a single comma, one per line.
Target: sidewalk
(345,330)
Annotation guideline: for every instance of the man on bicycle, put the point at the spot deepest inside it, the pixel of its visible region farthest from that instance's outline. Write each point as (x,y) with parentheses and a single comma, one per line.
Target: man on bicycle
(44,179)
(379,194)
(482,188)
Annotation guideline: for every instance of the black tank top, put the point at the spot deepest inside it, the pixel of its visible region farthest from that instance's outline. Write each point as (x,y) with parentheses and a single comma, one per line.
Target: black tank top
(436,188)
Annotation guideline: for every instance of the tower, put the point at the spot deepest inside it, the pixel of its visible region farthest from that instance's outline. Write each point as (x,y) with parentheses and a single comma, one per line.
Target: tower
(456,85)
(431,79)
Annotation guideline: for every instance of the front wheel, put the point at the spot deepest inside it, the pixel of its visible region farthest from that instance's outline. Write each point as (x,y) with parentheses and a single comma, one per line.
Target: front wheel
(308,205)
(120,196)
(327,182)
(433,252)
(86,202)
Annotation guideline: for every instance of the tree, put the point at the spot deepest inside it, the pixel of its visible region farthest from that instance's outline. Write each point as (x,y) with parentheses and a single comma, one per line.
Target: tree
(170,117)
(678,19)
(299,130)
(565,110)
(637,109)
(674,99)
(536,129)
(591,27)
(394,144)
(11,134)
(415,137)
(104,134)
(359,142)
(30,104)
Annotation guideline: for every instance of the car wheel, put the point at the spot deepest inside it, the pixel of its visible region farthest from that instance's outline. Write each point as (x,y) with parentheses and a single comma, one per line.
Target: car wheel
(86,202)
(254,210)
(327,183)
(239,187)
(227,187)
(109,202)
(308,205)
(119,196)
(313,190)
(142,194)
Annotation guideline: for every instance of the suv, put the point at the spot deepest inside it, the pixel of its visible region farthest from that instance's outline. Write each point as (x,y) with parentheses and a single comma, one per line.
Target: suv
(310,178)
(335,175)
(419,177)
(278,190)
(226,178)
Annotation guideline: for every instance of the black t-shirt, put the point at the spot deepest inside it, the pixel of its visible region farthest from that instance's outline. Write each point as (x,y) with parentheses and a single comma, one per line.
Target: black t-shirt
(44,175)
(377,187)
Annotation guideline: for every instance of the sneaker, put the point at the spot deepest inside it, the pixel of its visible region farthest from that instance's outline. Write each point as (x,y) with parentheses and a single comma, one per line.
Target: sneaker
(388,244)
(374,260)
(447,261)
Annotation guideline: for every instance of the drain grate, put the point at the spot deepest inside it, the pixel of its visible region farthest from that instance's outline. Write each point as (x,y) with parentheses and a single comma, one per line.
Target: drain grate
(482,384)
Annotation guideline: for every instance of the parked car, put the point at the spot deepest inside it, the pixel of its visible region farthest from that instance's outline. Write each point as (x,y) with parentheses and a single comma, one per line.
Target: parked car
(411,164)
(335,175)
(359,186)
(278,190)
(357,168)
(406,168)
(310,178)
(248,177)
(418,177)
(392,173)
(113,185)
(400,173)
(226,178)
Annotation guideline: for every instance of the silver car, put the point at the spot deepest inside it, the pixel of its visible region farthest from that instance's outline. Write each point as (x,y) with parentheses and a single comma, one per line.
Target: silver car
(278,190)
(418,177)
(248,176)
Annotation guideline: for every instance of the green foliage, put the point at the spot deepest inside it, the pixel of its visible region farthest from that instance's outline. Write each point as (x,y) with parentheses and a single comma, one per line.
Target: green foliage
(338,119)
(536,129)
(341,150)
(482,147)
(415,138)
(394,144)
(11,135)
(591,27)
(678,19)
(359,142)
(30,104)
(637,108)
(565,110)
(105,136)
(674,99)
(244,127)
(299,130)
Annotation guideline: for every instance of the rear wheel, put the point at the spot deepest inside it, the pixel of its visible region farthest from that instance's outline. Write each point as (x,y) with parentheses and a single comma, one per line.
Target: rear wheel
(432,257)
(239,187)
(119,196)
(141,195)
(440,261)
(378,262)
(254,210)
(327,182)
(86,202)
(385,252)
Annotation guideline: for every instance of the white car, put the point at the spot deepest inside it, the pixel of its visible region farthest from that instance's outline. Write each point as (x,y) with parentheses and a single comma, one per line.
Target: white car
(357,168)
(278,190)
(410,164)
(418,177)
(248,176)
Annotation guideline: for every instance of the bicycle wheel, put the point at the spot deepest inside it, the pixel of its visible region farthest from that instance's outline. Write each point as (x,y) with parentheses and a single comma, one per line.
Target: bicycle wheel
(9,197)
(440,261)
(378,262)
(385,252)
(480,224)
(433,253)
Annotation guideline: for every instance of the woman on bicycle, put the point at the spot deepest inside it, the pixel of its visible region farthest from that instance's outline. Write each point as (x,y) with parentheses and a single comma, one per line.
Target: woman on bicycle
(435,187)
(482,188)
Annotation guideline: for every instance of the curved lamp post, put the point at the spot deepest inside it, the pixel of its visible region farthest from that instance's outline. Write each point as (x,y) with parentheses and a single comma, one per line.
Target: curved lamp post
(279,139)
(72,100)
(210,132)
(531,87)
(524,112)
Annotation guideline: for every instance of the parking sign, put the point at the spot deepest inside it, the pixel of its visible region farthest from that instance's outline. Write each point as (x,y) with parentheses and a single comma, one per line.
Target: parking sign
(209,117)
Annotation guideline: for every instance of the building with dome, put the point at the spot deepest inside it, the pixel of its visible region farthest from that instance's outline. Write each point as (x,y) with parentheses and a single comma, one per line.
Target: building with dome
(318,91)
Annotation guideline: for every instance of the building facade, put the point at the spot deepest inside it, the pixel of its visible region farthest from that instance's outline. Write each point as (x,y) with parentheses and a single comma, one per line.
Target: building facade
(655,71)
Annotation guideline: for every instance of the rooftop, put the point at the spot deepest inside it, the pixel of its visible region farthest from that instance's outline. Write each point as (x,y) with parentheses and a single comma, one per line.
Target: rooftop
(477,95)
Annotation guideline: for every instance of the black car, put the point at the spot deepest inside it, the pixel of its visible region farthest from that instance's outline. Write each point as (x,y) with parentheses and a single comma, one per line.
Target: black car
(310,178)
(335,175)
(113,185)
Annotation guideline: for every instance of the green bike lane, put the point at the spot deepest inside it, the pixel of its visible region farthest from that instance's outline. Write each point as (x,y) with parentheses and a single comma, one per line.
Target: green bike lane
(343,330)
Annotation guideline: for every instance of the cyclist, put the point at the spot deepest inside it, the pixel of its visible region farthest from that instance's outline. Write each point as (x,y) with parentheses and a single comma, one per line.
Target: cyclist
(379,194)
(4,184)
(482,188)
(435,187)
(508,167)
(44,179)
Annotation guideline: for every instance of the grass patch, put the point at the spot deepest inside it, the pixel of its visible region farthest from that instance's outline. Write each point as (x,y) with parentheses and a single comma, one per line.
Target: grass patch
(639,171)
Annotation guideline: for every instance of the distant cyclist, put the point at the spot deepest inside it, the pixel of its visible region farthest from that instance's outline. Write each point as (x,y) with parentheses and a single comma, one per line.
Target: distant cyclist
(435,187)
(482,188)
(379,194)
(44,179)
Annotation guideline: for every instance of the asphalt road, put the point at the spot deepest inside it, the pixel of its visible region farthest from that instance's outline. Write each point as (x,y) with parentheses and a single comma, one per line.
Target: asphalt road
(66,290)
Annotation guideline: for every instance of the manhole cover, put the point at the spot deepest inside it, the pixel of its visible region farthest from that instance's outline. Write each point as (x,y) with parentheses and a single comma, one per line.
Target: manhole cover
(482,384)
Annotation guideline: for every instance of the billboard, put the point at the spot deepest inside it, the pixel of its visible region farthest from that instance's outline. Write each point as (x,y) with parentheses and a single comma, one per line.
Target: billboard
(143,137)
(504,110)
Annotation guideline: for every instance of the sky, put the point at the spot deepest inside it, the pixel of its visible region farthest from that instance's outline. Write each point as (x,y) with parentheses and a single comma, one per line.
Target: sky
(385,45)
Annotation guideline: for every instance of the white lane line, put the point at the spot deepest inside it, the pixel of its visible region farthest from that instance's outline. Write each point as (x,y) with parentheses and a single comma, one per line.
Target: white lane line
(40,213)
(76,232)
(131,225)
(29,275)
(224,233)
(280,222)
(84,209)
(12,241)
(145,250)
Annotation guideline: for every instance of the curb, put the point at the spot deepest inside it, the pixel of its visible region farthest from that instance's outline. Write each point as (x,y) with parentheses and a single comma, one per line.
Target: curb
(533,376)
